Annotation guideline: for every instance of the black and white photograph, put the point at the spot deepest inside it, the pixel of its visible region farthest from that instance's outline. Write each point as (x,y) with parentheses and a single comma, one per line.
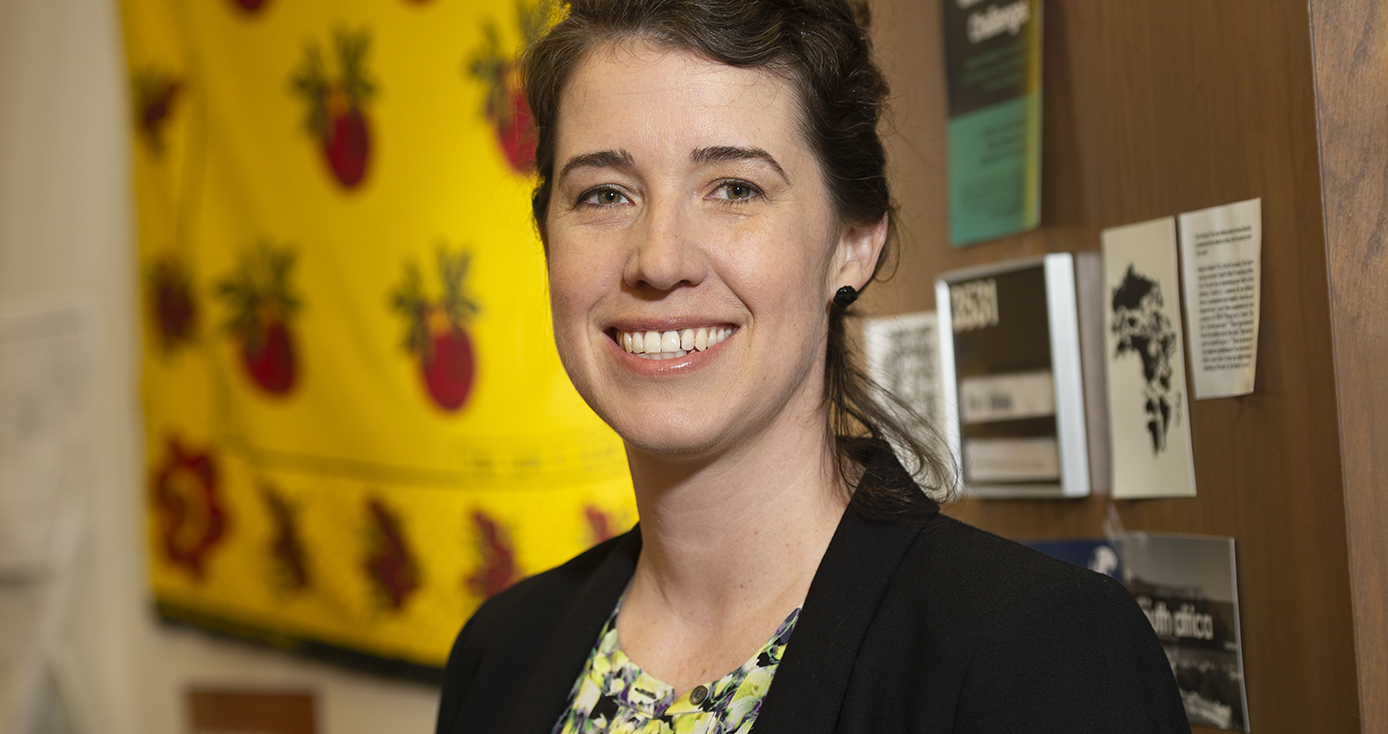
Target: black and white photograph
(1149,424)
(1186,586)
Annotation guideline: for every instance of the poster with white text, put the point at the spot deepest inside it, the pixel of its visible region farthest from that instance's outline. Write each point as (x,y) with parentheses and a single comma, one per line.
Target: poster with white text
(1186,586)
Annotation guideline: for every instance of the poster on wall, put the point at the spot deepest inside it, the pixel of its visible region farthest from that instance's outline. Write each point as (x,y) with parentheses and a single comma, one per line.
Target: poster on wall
(1187,587)
(357,427)
(1149,414)
(902,354)
(993,72)
(1221,257)
(1012,379)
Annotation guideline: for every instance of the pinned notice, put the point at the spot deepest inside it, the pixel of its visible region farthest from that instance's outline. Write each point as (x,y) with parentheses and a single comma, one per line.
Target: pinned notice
(1149,427)
(1221,273)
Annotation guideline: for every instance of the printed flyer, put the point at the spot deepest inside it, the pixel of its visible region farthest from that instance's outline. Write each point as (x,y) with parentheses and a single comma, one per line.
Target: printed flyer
(902,353)
(1221,258)
(1186,585)
(902,356)
(1149,414)
(993,70)
(1012,378)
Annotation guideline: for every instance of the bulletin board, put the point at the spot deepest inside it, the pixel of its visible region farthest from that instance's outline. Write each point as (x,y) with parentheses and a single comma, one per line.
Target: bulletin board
(357,426)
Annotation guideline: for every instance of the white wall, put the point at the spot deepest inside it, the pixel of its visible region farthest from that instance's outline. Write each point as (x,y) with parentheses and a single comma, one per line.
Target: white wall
(66,232)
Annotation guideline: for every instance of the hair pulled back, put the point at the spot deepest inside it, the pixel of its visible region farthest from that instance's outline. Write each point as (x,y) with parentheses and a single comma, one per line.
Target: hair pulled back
(823,49)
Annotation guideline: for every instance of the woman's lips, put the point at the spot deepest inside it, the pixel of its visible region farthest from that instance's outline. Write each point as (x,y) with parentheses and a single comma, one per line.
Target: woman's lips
(658,345)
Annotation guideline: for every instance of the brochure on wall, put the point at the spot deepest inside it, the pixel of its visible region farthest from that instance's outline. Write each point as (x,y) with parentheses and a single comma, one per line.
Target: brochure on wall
(902,353)
(1149,426)
(1186,586)
(1221,257)
(1010,371)
(1096,554)
(993,68)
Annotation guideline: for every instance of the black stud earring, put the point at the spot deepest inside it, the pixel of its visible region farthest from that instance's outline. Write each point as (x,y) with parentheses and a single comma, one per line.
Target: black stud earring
(846,296)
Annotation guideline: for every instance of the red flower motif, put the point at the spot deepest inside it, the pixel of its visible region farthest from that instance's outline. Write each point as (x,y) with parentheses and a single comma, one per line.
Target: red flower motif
(188,505)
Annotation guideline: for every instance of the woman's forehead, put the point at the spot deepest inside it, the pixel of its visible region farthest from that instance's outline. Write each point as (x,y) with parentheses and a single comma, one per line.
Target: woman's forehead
(634,94)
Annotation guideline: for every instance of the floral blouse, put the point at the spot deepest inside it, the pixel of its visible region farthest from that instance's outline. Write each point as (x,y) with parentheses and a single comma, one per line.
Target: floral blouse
(614,696)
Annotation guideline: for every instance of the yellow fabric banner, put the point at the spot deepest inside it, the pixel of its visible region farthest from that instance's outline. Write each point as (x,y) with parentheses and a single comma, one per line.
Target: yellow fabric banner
(357,426)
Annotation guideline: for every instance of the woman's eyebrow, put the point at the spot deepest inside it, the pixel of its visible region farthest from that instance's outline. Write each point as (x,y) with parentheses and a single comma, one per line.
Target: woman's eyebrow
(719,153)
(601,159)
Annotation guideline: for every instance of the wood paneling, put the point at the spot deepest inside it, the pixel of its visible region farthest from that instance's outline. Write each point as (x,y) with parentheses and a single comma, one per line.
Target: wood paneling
(1152,108)
(1351,62)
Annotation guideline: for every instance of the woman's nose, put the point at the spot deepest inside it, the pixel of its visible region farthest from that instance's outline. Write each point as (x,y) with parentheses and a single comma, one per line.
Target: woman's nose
(666,250)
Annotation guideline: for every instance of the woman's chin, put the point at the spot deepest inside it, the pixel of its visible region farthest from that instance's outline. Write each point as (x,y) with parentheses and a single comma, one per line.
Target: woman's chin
(676,441)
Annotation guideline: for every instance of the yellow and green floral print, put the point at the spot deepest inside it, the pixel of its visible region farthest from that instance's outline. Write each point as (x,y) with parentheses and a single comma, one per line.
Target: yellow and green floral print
(614,696)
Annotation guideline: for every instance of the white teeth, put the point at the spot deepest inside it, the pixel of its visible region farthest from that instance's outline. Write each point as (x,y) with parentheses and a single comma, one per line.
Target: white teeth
(664,355)
(671,344)
(670,341)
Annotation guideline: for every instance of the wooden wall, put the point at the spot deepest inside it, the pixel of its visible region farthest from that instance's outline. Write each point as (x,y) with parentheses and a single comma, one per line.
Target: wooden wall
(1153,108)
(1351,58)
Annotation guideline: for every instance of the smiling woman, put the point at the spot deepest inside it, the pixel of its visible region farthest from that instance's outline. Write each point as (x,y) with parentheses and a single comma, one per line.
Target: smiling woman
(711,197)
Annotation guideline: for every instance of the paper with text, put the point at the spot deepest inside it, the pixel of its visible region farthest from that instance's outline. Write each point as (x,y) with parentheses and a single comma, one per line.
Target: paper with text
(1221,270)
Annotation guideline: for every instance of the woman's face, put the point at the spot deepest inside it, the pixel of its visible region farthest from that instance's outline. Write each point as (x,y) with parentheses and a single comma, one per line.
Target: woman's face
(693,251)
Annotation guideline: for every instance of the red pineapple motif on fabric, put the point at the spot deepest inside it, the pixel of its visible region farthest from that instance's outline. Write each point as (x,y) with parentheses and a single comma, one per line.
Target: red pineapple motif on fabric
(390,563)
(498,569)
(187,502)
(505,107)
(437,331)
(261,303)
(336,104)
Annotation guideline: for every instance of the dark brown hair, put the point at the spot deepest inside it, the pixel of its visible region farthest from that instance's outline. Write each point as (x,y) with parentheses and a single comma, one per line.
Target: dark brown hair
(823,48)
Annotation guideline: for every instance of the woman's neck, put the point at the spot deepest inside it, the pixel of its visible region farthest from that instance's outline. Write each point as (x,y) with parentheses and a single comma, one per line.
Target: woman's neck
(740,533)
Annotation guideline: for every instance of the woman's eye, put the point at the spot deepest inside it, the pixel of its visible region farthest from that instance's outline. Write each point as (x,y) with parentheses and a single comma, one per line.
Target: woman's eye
(603,197)
(737,191)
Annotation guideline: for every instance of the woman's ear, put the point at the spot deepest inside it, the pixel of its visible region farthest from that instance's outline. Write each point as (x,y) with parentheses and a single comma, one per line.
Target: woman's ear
(856,256)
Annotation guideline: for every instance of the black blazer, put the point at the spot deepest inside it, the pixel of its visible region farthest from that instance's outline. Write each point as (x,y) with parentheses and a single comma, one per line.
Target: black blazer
(914,623)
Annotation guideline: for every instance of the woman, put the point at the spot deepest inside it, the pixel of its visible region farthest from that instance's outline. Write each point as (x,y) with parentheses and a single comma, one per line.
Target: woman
(711,198)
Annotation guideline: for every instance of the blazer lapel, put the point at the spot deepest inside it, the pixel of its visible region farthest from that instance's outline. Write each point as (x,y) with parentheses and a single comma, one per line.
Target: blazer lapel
(548,689)
(808,689)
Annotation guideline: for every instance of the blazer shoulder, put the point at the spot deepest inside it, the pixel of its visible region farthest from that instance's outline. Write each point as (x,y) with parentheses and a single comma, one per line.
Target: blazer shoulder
(996,569)
(501,645)
(1047,641)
